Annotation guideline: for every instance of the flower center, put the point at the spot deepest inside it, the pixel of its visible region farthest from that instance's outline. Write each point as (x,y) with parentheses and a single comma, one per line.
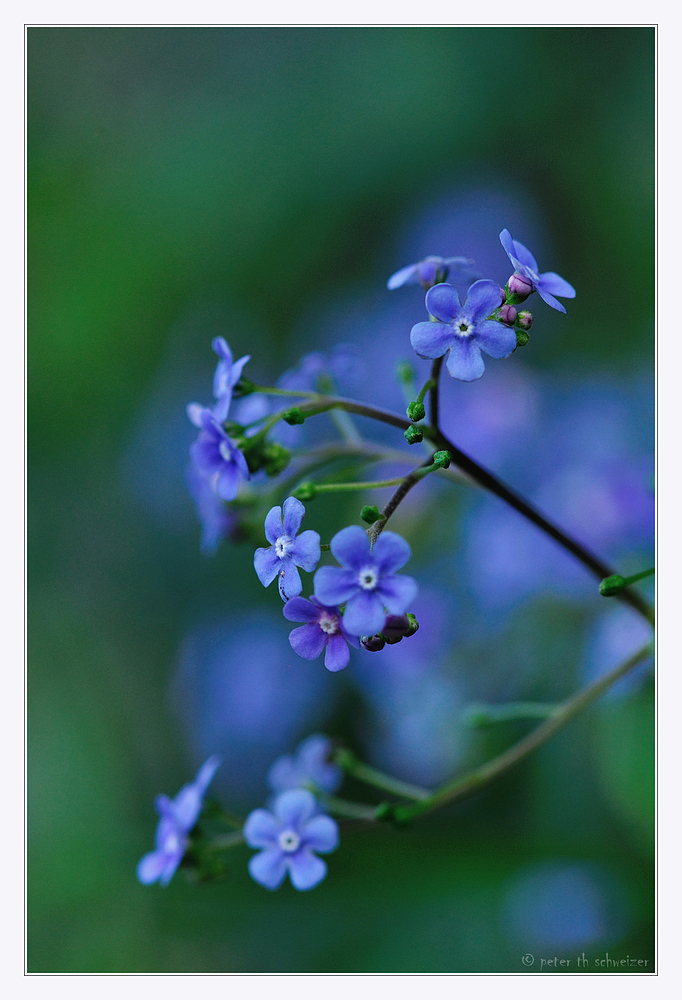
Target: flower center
(328,623)
(464,329)
(172,843)
(368,578)
(289,841)
(283,546)
(224,448)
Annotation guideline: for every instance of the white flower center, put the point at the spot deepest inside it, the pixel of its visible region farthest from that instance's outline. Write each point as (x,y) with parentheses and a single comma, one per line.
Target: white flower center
(368,578)
(224,449)
(463,328)
(283,546)
(289,841)
(328,623)
(172,843)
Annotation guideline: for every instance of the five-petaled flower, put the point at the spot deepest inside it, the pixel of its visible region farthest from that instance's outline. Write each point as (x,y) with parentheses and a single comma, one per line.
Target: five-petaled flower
(310,765)
(227,374)
(463,331)
(429,272)
(287,551)
(366,581)
(215,455)
(547,285)
(323,629)
(178,816)
(289,835)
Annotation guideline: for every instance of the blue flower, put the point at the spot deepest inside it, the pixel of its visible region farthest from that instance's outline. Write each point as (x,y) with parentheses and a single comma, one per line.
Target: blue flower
(428,272)
(547,285)
(366,581)
(178,816)
(227,374)
(463,331)
(287,551)
(289,835)
(215,518)
(215,455)
(343,365)
(323,629)
(309,765)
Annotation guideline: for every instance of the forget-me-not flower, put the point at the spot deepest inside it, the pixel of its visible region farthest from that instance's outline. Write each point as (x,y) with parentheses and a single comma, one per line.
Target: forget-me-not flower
(227,374)
(178,816)
(428,272)
(309,765)
(463,331)
(547,285)
(288,836)
(215,518)
(366,581)
(287,551)
(215,455)
(323,629)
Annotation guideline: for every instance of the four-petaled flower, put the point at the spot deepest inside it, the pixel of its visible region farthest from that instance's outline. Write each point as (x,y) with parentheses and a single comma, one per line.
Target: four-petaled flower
(547,285)
(178,816)
(366,581)
(324,629)
(227,374)
(289,835)
(215,455)
(287,551)
(309,765)
(463,331)
(429,272)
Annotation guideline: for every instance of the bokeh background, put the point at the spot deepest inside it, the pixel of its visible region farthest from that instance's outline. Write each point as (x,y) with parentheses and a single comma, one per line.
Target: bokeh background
(262,184)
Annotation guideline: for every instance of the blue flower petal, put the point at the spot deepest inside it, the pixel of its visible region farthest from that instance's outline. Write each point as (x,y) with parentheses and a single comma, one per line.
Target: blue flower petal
(289,582)
(308,641)
(397,593)
(295,807)
(525,257)
(431,340)
(269,867)
(337,654)
(321,833)
(306,550)
(298,609)
(482,299)
(151,867)
(390,552)
(550,300)
(273,524)
(292,516)
(334,585)
(266,565)
(364,614)
(306,870)
(495,339)
(464,362)
(402,277)
(442,301)
(555,285)
(261,829)
(350,547)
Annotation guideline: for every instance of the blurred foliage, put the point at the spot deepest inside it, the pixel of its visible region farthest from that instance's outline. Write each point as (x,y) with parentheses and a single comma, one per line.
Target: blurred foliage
(228,178)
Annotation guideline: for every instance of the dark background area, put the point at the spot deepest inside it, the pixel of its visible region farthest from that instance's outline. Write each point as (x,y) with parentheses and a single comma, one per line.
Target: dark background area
(185,182)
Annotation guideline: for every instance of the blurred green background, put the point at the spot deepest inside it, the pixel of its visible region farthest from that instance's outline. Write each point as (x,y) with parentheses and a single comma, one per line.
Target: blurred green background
(225,179)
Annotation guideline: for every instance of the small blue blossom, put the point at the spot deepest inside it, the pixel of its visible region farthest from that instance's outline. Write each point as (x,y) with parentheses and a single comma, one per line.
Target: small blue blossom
(342,365)
(215,455)
(547,285)
(287,551)
(215,518)
(227,374)
(463,331)
(430,271)
(178,816)
(366,581)
(289,835)
(309,765)
(323,629)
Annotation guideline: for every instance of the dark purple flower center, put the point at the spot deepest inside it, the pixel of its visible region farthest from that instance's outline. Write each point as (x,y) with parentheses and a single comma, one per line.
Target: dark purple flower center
(328,623)
(289,841)
(368,578)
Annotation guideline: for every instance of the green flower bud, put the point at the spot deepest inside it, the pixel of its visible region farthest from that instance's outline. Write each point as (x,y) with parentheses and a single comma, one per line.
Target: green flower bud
(442,459)
(413,435)
(370,514)
(244,387)
(612,585)
(276,458)
(522,338)
(306,491)
(416,410)
(294,416)
(414,625)
(405,372)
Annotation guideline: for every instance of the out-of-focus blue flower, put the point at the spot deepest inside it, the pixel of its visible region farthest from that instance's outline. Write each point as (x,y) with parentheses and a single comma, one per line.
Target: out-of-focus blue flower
(323,629)
(564,905)
(430,271)
(463,331)
(287,551)
(215,518)
(215,455)
(617,634)
(241,692)
(366,581)
(309,765)
(227,374)
(288,837)
(342,367)
(547,285)
(178,816)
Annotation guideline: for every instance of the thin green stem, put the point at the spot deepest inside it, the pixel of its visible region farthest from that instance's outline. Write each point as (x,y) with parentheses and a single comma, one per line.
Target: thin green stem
(227,841)
(403,489)
(340,807)
(271,391)
(377,779)
(351,487)
(429,384)
(485,715)
(639,576)
(484,775)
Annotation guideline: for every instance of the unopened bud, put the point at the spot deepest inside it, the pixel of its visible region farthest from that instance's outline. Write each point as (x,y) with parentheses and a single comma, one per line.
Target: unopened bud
(412,625)
(518,288)
(276,458)
(416,410)
(442,459)
(503,295)
(612,585)
(370,514)
(244,387)
(413,435)
(405,372)
(395,628)
(525,319)
(507,315)
(373,643)
(522,338)
(294,416)
(306,491)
